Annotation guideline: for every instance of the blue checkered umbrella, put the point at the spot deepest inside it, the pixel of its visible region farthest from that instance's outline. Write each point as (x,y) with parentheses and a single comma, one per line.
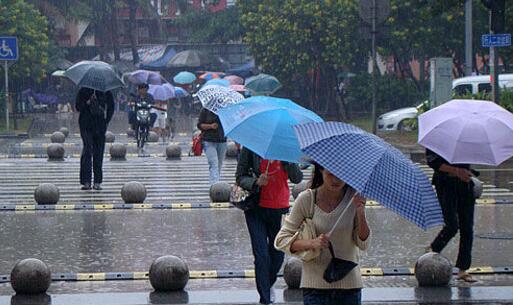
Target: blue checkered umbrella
(373,168)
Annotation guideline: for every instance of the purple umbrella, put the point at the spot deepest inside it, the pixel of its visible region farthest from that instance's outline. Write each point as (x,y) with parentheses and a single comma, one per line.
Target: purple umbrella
(468,131)
(146,77)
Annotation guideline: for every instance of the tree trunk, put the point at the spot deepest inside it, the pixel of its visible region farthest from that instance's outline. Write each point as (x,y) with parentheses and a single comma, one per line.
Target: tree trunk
(422,72)
(132,28)
(114,30)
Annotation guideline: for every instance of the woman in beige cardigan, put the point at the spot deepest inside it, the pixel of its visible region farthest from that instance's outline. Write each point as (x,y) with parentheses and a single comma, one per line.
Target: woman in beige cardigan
(330,197)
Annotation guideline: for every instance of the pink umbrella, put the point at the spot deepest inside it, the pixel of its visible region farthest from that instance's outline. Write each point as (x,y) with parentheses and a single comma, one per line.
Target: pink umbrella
(468,131)
(234,80)
(238,88)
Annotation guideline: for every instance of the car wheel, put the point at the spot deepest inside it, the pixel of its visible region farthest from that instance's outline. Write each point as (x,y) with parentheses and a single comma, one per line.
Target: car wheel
(404,126)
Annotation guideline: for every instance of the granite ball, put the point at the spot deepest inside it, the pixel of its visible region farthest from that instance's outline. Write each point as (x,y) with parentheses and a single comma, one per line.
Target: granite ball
(169,273)
(30,276)
(57,137)
(117,151)
(220,192)
(298,188)
(133,192)
(153,137)
(55,152)
(46,193)
(173,151)
(292,272)
(109,137)
(65,131)
(232,151)
(433,269)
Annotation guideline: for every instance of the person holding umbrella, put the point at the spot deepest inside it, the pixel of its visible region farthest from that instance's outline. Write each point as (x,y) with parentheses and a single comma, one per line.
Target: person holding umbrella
(339,219)
(264,221)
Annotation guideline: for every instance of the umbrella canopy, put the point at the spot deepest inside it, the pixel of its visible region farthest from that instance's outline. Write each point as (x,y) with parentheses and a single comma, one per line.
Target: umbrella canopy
(162,92)
(140,77)
(263,84)
(217,82)
(193,59)
(373,168)
(264,125)
(215,97)
(211,75)
(468,131)
(95,75)
(238,88)
(234,80)
(184,78)
(181,92)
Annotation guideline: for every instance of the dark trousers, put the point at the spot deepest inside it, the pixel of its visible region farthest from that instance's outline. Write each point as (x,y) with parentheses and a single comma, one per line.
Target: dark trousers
(263,225)
(457,202)
(91,159)
(332,296)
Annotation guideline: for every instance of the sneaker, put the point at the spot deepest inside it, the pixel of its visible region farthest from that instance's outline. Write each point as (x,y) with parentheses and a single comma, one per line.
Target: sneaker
(86,187)
(97,187)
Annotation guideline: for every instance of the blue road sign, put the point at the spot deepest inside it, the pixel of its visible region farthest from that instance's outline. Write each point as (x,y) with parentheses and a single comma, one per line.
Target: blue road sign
(496,40)
(8,48)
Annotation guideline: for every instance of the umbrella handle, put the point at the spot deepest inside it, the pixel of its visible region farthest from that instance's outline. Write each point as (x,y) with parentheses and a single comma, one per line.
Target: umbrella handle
(267,167)
(340,217)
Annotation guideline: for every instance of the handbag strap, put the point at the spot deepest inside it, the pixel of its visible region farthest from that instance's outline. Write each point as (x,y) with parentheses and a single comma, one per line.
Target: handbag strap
(313,202)
(330,246)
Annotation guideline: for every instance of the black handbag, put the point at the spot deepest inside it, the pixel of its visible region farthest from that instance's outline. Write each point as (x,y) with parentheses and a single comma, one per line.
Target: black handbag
(337,268)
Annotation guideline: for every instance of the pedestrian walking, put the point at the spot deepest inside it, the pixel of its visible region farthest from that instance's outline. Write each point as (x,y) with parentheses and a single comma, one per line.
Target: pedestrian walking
(264,221)
(455,193)
(96,109)
(339,219)
(214,143)
(64,114)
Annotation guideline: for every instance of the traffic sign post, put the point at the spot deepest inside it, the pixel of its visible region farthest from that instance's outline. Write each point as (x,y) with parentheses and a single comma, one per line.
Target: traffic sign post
(8,52)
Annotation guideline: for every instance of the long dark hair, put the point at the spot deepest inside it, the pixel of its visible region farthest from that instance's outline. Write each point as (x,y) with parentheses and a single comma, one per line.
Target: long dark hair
(317,179)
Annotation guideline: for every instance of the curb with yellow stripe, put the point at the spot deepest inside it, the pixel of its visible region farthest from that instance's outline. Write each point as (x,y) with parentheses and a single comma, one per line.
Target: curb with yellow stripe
(243,273)
(45,156)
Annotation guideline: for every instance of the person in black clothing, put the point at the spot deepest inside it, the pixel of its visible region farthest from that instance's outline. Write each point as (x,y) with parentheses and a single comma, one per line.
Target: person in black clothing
(96,110)
(454,189)
(214,142)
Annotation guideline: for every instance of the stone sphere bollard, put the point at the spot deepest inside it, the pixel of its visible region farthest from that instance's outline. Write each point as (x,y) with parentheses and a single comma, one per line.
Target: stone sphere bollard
(57,137)
(153,137)
(231,150)
(298,188)
(65,131)
(133,192)
(130,133)
(433,269)
(109,137)
(169,273)
(220,192)
(55,152)
(117,151)
(30,276)
(46,193)
(292,272)
(173,151)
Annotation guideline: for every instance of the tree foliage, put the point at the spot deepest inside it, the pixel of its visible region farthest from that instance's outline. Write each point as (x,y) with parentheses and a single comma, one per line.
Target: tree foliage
(21,19)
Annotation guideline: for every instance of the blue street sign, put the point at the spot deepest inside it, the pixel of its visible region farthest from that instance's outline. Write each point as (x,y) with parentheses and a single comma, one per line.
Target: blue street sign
(496,40)
(8,48)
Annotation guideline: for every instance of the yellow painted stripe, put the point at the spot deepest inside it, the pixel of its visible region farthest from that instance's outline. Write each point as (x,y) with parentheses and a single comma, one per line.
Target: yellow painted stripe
(25,207)
(181,206)
(412,271)
(372,271)
(141,275)
(486,201)
(372,203)
(91,276)
(203,274)
(64,206)
(28,156)
(218,205)
(103,206)
(249,273)
(485,269)
(142,205)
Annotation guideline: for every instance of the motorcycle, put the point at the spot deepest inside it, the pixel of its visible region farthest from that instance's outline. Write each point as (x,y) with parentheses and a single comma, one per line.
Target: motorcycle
(143,120)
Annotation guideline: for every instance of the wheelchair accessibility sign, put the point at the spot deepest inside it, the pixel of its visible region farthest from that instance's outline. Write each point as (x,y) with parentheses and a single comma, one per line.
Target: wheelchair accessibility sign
(8,48)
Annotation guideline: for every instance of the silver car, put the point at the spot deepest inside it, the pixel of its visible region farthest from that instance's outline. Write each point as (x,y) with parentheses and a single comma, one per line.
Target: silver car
(395,120)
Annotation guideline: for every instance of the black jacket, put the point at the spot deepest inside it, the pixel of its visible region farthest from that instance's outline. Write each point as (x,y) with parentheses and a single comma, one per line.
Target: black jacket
(248,169)
(435,162)
(211,135)
(86,119)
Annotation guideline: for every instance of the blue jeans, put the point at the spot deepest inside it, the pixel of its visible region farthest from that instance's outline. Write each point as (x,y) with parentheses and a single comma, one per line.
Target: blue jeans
(332,296)
(263,226)
(215,155)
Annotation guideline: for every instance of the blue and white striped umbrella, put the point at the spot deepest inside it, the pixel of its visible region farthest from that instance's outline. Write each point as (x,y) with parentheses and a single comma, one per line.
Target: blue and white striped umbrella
(373,168)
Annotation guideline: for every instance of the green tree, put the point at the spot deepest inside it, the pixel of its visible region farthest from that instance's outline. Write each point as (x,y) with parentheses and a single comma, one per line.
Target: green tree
(21,19)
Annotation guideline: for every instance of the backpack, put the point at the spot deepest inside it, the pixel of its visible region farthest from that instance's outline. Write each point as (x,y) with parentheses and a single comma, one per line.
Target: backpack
(96,107)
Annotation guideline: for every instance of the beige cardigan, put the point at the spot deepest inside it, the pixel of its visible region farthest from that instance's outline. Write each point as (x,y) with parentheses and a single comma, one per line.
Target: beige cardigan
(345,240)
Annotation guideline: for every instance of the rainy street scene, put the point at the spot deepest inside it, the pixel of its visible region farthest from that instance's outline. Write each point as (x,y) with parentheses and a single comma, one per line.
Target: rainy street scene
(256,152)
